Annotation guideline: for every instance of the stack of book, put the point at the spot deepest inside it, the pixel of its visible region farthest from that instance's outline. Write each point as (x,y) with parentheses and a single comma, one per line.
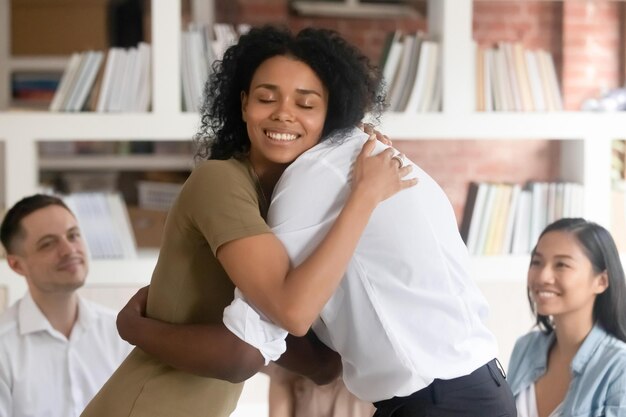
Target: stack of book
(201,46)
(33,90)
(512,78)
(506,218)
(411,73)
(118,83)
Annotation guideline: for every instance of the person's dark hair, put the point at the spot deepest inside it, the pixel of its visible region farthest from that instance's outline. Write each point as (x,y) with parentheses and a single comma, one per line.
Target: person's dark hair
(609,309)
(11,228)
(353,85)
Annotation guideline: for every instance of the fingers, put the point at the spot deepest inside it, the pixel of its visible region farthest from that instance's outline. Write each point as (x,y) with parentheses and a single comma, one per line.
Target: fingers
(404,184)
(371,131)
(405,170)
(368,147)
(388,153)
(398,159)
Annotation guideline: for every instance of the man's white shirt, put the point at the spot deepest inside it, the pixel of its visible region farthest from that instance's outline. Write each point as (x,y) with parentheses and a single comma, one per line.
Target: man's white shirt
(406,311)
(42,373)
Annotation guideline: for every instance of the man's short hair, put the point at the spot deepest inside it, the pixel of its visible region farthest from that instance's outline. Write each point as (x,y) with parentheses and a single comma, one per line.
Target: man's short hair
(11,228)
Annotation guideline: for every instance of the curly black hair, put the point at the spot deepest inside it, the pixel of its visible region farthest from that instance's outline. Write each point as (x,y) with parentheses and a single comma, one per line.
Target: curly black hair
(352,82)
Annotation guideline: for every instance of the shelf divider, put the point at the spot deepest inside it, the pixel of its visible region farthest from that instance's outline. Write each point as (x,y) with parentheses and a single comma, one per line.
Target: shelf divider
(450,22)
(166,36)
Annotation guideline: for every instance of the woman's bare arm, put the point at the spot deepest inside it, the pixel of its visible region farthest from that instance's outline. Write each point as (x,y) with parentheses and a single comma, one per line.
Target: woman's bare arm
(202,349)
(213,351)
(293,299)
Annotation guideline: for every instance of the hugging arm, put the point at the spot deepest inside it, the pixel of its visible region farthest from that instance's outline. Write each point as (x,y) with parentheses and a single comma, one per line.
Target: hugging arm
(213,351)
(293,297)
(208,350)
(309,357)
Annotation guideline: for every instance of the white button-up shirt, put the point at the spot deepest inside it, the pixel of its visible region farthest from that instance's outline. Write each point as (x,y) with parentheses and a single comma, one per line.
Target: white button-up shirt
(407,310)
(42,373)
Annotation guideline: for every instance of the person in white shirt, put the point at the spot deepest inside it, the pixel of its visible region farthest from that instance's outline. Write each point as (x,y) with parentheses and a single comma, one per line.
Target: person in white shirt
(56,349)
(406,319)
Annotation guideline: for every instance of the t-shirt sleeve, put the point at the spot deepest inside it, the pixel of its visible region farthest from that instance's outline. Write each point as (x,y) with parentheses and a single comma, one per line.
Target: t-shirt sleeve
(222,203)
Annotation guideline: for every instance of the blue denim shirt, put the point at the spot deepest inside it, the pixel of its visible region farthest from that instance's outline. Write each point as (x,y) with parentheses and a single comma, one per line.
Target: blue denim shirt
(598,385)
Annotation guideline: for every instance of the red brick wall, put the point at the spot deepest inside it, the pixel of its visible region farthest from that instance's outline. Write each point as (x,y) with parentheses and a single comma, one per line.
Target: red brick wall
(367,34)
(591,45)
(454,163)
(537,24)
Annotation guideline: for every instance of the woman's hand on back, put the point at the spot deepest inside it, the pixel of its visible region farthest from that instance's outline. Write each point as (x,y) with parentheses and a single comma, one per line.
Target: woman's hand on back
(370,130)
(131,314)
(378,177)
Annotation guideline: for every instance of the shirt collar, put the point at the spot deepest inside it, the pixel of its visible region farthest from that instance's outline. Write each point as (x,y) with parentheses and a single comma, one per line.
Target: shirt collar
(541,361)
(586,351)
(31,319)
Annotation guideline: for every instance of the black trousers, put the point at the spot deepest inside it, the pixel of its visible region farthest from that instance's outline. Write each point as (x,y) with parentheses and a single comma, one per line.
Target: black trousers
(483,393)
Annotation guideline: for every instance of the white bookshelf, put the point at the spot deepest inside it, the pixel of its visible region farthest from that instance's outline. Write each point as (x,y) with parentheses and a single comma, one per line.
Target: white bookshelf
(585,137)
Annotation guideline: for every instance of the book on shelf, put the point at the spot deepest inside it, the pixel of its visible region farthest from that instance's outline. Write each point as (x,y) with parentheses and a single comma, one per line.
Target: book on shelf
(201,46)
(392,60)
(411,73)
(66,80)
(502,218)
(520,239)
(534,77)
(405,74)
(485,219)
(479,75)
(494,244)
(472,216)
(32,90)
(85,81)
(118,82)
(384,54)
(521,69)
(104,223)
(513,78)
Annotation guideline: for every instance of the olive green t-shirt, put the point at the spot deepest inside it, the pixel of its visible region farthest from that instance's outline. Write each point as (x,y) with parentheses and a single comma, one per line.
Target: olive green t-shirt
(220,202)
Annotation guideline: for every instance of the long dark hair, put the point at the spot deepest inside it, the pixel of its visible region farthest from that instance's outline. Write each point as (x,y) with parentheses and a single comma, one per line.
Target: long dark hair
(609,309)
(352,82)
